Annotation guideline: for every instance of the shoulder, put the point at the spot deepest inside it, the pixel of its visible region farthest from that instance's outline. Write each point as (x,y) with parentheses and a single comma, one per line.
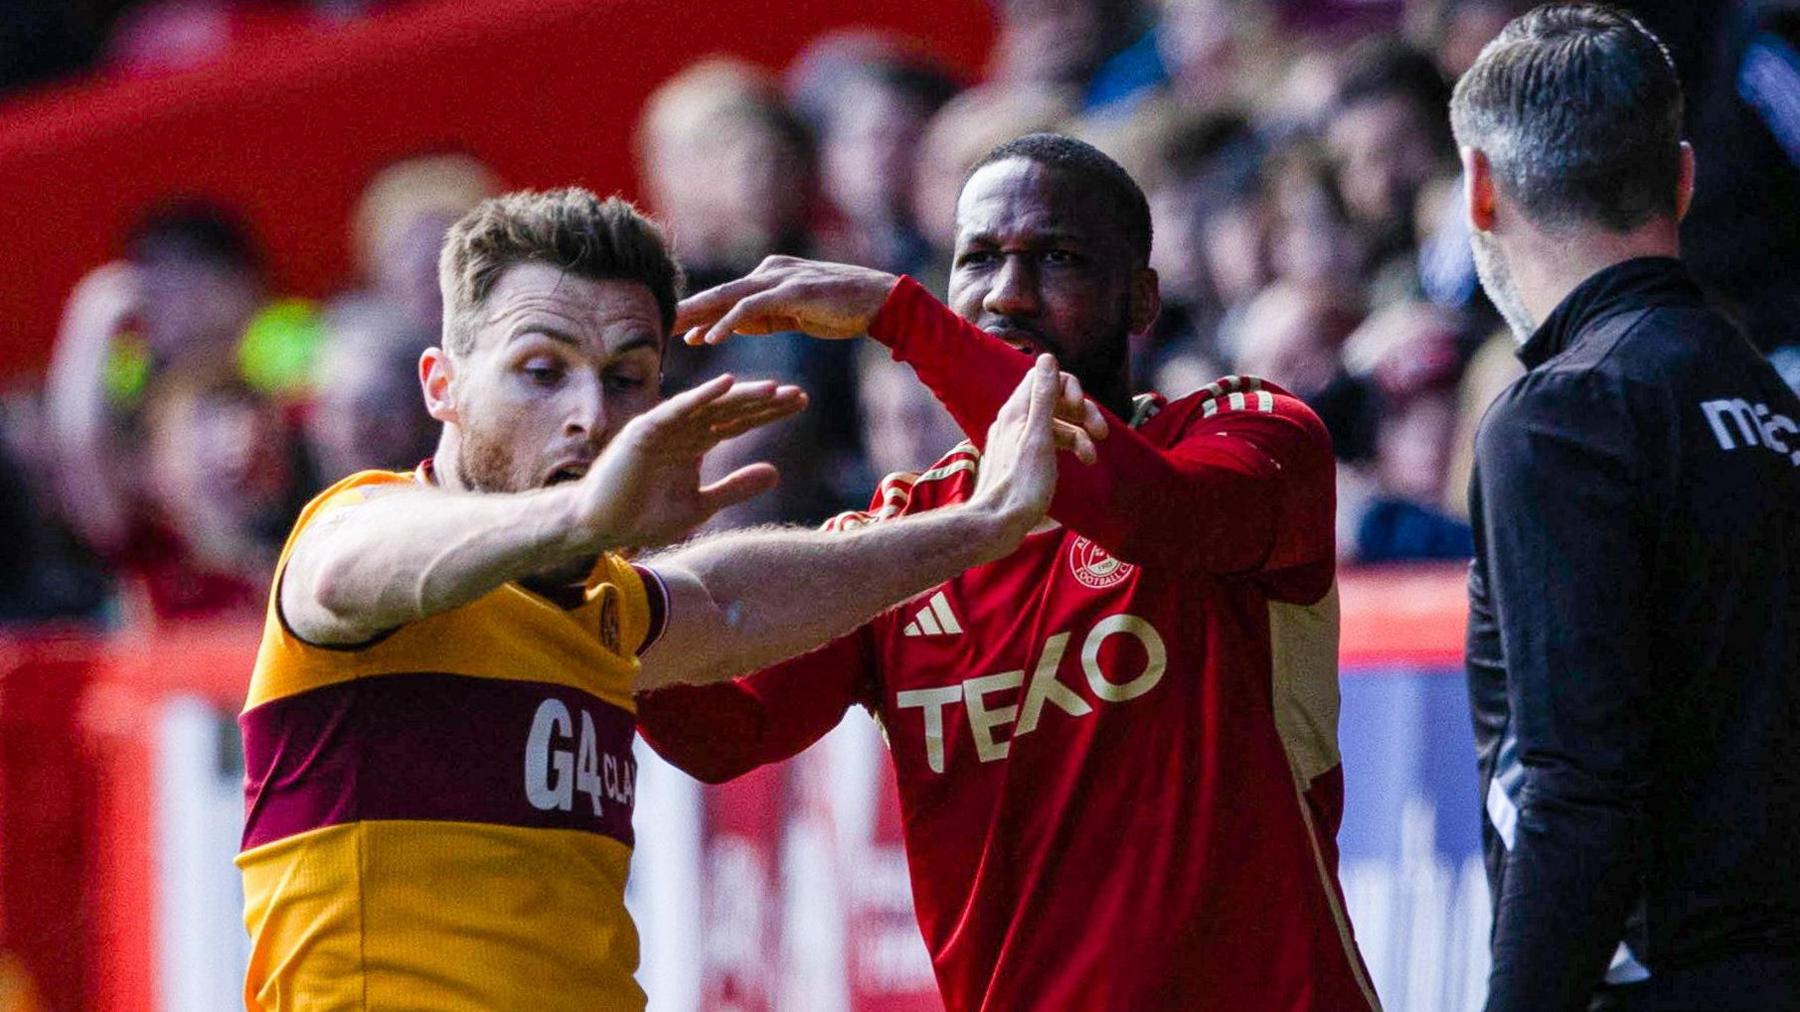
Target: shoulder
(1249,408)
(951,479)
(354,490)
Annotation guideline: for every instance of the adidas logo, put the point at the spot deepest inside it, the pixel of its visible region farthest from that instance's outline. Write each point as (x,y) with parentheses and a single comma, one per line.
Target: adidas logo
(935,619)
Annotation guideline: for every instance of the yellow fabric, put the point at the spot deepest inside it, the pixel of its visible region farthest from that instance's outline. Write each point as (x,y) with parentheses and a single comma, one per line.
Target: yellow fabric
(415,914)
(433,915)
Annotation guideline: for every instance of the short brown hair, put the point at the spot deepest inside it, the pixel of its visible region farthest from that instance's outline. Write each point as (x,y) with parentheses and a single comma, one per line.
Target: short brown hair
(570,229)
(1578,109)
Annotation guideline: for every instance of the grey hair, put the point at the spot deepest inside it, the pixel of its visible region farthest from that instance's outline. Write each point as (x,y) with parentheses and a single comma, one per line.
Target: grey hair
(1578,109)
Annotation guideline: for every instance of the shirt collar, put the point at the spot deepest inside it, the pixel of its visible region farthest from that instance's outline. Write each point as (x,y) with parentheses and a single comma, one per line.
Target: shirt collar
(1630,285)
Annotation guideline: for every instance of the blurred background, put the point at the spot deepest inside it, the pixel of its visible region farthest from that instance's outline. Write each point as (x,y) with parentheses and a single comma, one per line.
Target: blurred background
(221,225)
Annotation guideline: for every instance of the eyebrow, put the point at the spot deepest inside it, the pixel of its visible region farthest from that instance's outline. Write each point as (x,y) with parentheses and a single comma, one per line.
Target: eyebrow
(1048,235)
(565,338)
(545,330)
(633,344)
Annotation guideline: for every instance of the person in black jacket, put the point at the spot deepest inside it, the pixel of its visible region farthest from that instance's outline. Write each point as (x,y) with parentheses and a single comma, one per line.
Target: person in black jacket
(1634,643)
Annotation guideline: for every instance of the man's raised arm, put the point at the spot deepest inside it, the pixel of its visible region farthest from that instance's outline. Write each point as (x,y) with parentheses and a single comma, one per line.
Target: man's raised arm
(1252,489)
(744,600)
(403,555)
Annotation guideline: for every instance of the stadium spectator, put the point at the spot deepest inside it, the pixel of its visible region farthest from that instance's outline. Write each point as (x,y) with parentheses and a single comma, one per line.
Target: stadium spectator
(903,425)
(188,302)
(400,222)
(1098,49)
(218,491)
(869,145)
(480,599)
(1013,809)
(1635,599)
(1388,137)
(1392,509)
(1313,241)
(365,413)
(1211,254)
(730,170)
(1215,51)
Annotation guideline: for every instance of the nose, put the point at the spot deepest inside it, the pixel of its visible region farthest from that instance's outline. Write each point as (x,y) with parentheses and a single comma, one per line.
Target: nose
(585,409)
(1014,289)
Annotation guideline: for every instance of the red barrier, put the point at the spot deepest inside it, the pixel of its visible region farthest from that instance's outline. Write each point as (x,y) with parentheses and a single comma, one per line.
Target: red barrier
(288,130)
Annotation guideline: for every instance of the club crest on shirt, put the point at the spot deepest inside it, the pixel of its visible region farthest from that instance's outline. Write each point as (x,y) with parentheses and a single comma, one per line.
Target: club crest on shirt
(609,619)
(1095,569)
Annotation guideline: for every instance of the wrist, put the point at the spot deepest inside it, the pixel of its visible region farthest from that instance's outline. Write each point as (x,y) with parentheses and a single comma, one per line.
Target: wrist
(994,532)
(567,529)
(885,325)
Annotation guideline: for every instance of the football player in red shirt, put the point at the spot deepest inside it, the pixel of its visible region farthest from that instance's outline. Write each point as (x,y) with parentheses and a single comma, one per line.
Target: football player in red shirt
(1116,748)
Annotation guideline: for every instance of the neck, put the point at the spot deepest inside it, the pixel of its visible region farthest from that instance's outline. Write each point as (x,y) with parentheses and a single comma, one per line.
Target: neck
(1547,266)
(1113,395)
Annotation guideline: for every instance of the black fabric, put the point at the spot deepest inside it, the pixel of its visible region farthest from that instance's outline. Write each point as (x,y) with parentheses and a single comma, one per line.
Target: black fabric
(1634,648)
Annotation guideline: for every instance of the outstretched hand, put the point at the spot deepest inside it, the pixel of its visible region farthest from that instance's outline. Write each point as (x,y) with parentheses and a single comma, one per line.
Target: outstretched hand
(645,490)
(1018,469)
(828,300)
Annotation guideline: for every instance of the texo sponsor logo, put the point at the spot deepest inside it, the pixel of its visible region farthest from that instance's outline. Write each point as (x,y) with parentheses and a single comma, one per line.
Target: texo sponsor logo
(1044,688)
(1736,422)
(554,774)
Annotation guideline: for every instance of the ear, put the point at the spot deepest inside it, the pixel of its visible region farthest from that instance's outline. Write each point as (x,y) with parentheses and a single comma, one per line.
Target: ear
(1478,191)
(1146,299)
(1684,193)
(436,379)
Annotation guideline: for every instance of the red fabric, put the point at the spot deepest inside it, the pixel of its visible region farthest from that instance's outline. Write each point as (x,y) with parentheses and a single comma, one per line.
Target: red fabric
(175,586)
(1098,811)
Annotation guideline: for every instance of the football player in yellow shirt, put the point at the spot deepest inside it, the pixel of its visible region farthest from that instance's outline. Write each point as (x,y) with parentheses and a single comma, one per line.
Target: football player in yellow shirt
(438,731)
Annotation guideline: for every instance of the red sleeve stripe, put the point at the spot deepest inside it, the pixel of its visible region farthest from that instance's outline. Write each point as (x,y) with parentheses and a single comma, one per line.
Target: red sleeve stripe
(658,594)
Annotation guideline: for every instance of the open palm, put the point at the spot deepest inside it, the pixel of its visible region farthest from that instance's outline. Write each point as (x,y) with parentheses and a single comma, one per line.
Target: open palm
(645,489)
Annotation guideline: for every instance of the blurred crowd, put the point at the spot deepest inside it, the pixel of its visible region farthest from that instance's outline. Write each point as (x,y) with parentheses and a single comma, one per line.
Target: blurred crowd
(1304,191)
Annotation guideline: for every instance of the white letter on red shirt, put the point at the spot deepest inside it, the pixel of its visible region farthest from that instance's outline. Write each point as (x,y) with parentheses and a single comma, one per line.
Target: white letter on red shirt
(933,702)
(1137,628)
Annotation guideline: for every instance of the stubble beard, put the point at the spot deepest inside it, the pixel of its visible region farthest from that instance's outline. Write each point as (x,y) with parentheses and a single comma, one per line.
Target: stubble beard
(484,463)
(1502,290)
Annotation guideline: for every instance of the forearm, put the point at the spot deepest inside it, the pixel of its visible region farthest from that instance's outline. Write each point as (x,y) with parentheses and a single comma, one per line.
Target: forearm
(418,552)
(76,410)
(772,594)
(721,730)
(1216,508)
(1570,880)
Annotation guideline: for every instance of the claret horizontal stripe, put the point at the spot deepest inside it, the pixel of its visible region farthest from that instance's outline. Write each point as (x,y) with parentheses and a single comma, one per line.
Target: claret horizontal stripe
(438,747)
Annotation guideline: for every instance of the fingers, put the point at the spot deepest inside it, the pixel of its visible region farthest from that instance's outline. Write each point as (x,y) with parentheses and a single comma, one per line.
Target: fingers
(1045,386)
(740,485)
(763,313)
(692,399)
(1073,405)
(1074,439)
(1018,403)
(703,309)
(776,411)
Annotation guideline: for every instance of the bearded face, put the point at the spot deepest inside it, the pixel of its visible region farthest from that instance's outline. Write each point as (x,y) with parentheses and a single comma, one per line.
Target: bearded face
(1502,290)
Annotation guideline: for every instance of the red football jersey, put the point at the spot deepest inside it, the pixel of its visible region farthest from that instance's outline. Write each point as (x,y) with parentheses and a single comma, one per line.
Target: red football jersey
(1115,748)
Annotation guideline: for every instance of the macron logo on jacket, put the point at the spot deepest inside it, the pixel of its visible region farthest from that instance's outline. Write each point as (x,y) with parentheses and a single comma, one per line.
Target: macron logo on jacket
(1753,425)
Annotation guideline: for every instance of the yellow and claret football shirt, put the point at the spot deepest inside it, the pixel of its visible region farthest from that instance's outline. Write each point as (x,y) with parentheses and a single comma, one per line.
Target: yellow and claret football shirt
(442,818)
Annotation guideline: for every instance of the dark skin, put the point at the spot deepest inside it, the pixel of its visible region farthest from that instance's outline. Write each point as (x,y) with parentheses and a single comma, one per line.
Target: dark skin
(1040,263)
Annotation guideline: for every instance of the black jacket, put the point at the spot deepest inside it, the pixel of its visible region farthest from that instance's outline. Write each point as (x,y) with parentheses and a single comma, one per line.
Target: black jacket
(1634,648)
